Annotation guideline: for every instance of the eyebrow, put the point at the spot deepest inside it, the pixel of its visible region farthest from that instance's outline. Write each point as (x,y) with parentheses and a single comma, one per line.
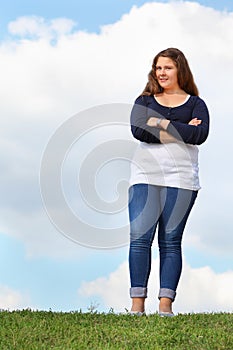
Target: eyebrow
(166,66)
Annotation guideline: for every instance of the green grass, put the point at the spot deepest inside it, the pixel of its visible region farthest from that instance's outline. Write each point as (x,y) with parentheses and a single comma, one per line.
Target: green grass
(28,330)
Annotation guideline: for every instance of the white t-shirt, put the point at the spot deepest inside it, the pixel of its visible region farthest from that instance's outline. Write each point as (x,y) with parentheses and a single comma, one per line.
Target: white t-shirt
(170,165)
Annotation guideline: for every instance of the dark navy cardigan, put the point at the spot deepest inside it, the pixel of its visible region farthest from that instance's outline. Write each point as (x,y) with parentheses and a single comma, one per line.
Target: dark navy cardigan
(146,107)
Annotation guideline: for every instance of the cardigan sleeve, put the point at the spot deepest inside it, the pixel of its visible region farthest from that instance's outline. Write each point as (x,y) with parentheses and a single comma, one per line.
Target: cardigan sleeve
(192,134)
(138,120)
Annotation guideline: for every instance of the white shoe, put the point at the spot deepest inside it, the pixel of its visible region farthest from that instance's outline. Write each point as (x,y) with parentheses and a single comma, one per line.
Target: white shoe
(166,314)
(137,313)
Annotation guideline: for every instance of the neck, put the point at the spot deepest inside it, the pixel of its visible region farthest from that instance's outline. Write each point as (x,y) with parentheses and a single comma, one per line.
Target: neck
(174,92)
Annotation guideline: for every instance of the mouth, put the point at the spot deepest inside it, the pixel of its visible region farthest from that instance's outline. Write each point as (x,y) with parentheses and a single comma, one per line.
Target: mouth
(163,79)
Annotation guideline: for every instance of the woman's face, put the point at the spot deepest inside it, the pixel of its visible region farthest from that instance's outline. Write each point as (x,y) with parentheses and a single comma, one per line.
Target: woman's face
(166,73)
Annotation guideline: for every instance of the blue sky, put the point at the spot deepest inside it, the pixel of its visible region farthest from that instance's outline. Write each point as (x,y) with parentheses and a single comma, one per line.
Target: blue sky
(35,269)
(89,15)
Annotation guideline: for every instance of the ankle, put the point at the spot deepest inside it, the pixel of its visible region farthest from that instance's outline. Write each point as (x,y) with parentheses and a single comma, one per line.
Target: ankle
(138,304)
(165,305)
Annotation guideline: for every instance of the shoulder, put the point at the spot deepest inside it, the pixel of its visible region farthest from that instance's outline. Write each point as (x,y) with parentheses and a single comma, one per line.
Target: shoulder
(196,99)
(196,102)
(143,100)
(200,108)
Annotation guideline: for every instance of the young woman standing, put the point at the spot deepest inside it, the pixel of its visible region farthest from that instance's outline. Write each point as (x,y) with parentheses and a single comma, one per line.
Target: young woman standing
(170,120)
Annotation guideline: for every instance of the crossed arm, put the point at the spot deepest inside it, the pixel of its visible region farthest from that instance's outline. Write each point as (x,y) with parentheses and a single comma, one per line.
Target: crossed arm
(165,137)
(154,128)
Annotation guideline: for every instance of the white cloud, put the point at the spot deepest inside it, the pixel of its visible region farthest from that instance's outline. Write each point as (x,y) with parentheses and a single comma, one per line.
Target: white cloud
(200,290)
(46,83)
(112,289)
(34,26)
(12,299)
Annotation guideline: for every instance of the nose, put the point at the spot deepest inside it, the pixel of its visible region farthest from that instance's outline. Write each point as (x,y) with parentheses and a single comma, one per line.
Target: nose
(162,71)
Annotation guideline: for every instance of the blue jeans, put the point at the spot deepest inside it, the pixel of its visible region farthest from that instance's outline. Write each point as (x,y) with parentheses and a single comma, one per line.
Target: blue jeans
(168,208)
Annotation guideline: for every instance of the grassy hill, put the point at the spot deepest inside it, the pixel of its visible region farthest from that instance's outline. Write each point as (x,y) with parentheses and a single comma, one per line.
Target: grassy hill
(29,330)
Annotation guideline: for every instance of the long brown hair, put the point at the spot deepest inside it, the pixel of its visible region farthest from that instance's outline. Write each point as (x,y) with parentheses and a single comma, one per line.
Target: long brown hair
(184,74)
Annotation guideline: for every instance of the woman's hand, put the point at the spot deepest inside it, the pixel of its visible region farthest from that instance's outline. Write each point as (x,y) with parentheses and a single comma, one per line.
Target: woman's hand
(195,122)
(160,123)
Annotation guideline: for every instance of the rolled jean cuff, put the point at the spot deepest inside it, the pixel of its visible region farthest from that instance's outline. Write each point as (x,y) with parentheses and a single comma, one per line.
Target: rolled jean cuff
(138,292)
(167,293)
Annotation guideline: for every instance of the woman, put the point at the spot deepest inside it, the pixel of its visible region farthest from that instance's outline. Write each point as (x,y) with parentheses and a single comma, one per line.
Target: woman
(170,120)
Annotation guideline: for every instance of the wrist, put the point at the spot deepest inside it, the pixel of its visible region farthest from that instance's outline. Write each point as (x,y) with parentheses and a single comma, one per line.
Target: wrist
(164,124)
(158,122)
